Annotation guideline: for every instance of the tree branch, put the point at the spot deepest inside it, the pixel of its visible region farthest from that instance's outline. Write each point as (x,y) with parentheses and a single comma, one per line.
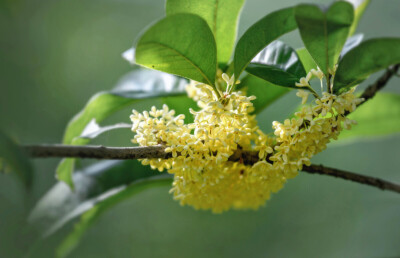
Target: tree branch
(366,180)
(247,157)
(372,89)
(95,152)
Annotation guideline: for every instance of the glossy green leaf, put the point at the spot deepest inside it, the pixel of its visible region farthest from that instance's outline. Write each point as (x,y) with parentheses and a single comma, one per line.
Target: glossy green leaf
(133,87)
(351,43)
(260,35)
(324,33)
(14,160)
(309,63)
(378,117)
(369,57)
(136,85)
(306,59)
(181,44)
(181,105)
(273,75)
(129,55)
(359,8)
(94,130)
(65,169)
(265,91)
(98,107)
(222,17)
(91,131)
(104,203)
(60,204)
(278,64)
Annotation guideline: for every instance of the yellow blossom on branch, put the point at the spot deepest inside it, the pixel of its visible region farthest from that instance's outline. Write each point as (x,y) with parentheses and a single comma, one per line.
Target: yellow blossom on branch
(204,177)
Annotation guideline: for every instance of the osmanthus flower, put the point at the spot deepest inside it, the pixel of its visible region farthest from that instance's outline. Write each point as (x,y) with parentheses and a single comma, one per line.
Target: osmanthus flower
(304,81)
(263,145)
(204,175)
(305,114)
(303,95)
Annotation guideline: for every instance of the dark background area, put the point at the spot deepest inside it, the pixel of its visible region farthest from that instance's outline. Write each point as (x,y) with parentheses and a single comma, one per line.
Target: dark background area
(54,55)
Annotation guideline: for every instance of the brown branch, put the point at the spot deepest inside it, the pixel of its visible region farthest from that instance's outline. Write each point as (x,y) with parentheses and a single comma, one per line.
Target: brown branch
(95,152)
(366,180)
(372,89)
(102,152)
(247,157)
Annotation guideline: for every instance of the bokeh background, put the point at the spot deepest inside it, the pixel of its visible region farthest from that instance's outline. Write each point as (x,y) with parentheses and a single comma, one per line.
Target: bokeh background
(55,54)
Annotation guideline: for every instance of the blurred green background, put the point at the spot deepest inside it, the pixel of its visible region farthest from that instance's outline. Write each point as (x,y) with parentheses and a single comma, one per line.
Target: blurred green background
(54,55)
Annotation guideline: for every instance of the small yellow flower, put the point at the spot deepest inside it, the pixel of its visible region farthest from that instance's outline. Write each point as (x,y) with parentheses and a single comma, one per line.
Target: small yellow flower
(304,81)
(317,73)
(303,95)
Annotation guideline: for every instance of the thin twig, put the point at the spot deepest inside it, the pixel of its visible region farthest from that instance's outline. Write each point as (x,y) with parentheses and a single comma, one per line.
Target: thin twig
(366,180)
(247,157)
(95,152)
(372,89)
(381,82)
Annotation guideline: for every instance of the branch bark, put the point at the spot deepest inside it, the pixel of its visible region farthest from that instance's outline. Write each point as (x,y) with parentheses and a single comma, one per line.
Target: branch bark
(247,157)
(366,180)
(95,152)
(371,90)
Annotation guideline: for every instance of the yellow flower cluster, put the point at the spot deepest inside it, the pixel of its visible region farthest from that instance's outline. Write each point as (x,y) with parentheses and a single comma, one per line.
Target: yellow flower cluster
(204,176)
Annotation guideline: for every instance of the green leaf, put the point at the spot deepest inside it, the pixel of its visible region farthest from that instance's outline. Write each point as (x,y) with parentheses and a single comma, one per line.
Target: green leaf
(100,106)
(222,17)
(260,34)
(104,203)
(64,171)
(351,43)
(278,64)
(369,57)
(129,55)
(137,85)
(306,59)
(265,91)
(324,33)
(60,204)
(359,8)
(377,117)
(13,159)
(133,87)
(181,105)
(180,44)
(93,129)
(309,63)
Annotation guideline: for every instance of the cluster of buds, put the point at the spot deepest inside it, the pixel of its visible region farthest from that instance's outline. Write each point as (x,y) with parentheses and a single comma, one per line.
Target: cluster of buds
(204,175)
